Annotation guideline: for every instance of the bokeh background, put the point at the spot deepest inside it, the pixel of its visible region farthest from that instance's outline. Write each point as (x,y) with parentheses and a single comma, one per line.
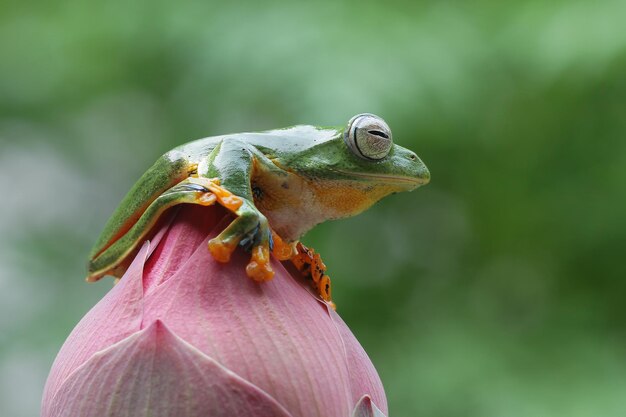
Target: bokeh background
(496,291)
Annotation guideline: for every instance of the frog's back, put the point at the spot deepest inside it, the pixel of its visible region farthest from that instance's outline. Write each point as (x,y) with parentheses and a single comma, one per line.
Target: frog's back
(292,139)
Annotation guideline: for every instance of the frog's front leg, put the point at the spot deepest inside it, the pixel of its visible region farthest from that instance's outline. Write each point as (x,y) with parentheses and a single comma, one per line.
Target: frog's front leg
(232,162)
(113,260)
(249,230)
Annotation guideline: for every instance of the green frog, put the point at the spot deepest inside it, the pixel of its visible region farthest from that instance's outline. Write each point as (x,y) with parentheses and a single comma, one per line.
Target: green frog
(278,184)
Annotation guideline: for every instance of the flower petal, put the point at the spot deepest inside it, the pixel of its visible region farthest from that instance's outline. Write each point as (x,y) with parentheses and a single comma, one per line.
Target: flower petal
(180,241)
(155,373)
(275,334)
(363,376)
(114,318)
(366,408)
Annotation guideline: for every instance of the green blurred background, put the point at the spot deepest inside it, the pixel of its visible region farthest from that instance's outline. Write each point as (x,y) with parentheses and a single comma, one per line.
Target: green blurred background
(495,291)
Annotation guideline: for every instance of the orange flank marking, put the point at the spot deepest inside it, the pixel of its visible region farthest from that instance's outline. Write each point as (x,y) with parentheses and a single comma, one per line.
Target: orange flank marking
(324,288)
(259,268)
(283,251)
(318,270)
(220,250)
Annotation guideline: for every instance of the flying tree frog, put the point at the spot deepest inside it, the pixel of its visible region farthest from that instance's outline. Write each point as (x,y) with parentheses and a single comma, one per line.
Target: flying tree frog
(278,184)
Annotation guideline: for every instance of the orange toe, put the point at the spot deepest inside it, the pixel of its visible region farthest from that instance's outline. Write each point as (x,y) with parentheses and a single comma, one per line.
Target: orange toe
(206,199)
(282,250)
(259,272)
(221,251)
(259,268)
(223,196)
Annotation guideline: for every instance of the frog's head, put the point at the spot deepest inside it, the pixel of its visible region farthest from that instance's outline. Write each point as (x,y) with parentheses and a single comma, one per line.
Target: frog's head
(346,170)
(371,156)
(361,154)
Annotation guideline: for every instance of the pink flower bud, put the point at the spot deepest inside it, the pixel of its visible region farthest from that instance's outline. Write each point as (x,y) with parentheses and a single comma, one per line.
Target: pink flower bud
(183,335)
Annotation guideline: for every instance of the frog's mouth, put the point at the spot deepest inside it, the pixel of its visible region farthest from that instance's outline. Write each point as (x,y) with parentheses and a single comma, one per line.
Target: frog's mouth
(410,182)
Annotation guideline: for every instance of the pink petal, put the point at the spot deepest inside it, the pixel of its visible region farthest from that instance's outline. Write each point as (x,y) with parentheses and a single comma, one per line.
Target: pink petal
(154,373)
(114,318)
(363,376)
(275,335)
(182,239)
(366,408)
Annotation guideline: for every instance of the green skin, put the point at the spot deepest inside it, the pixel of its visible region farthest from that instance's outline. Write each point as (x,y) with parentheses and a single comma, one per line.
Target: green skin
(291,179)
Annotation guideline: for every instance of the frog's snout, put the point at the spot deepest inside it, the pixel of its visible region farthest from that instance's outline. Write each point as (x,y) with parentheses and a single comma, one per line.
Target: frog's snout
(421,172)
(424,175)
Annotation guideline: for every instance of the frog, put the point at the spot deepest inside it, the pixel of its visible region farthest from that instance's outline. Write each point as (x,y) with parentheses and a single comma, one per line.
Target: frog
(278,184)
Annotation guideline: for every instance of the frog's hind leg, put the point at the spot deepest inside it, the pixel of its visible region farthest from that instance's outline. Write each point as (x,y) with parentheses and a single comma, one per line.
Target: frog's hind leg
(169,170)
(111,260)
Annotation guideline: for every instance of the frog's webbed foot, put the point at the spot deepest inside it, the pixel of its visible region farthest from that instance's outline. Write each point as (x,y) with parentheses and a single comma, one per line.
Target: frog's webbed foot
(310,264)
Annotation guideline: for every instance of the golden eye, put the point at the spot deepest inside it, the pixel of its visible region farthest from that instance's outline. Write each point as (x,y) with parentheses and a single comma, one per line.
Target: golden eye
(368,136)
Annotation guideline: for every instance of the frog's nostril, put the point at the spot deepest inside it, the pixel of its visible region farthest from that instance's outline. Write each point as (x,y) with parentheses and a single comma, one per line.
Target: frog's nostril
(412,156)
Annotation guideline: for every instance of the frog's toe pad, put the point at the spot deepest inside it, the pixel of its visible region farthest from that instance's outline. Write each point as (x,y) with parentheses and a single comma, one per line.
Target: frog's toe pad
(282,250)
(206,199)
(224,197)
(259,268)
(259,272)
(221,250)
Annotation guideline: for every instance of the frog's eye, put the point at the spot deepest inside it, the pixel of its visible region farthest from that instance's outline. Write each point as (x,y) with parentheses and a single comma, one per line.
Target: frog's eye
(368,136)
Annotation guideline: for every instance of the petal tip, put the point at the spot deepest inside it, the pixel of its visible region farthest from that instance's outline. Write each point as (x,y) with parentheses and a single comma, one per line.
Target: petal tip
(366,408)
